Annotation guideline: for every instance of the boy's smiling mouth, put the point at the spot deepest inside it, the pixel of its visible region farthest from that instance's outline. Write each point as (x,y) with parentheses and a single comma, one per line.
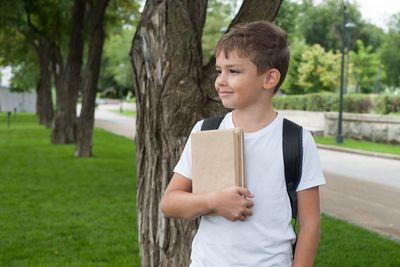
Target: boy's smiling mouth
(224,93)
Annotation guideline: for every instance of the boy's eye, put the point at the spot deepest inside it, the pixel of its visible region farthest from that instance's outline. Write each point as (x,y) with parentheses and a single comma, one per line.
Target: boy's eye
(218,71)
(234,71)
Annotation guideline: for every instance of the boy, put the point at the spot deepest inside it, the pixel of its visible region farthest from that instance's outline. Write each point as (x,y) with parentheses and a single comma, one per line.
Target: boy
(254,223)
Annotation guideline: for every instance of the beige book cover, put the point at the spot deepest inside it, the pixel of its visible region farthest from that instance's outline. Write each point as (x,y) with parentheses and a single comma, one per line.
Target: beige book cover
(217,160)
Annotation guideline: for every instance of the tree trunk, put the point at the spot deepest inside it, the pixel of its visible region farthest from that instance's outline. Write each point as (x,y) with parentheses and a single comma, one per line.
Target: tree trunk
(86,118)
(67,89)
(44,102)
(172,91)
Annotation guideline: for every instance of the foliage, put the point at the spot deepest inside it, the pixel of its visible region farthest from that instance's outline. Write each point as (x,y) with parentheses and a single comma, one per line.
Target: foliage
(116,69)
(25,76)
(319,70)
(116,72)
(291,84)
(17,54)
(61,211)
(289,18)
(390,55)
(24,27)
(322,23)
(219,15)
(365,68)
(50,20)
(354,103)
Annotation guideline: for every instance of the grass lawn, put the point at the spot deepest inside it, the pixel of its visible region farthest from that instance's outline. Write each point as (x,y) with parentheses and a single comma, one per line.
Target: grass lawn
(358,144)
(345,245)
(128,113)
(57,210)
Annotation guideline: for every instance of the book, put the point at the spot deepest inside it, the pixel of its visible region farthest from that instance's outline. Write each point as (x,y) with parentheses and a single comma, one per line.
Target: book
(217,160)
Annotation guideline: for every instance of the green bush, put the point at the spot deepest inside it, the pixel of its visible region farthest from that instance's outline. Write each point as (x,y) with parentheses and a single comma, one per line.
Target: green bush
(393,104)
(321,102)
(380,104)
(297,102)
(353,103)
(357,103)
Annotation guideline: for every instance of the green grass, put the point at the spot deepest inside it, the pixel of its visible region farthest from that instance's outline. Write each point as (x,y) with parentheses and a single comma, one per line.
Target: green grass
(357,144)
(58,210)
(128,113)
(346,245)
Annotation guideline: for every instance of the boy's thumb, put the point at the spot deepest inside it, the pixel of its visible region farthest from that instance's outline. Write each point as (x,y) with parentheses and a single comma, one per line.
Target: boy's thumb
(245,192)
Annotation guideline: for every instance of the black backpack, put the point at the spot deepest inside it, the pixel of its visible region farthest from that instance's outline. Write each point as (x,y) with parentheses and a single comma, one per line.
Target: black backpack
(292,146)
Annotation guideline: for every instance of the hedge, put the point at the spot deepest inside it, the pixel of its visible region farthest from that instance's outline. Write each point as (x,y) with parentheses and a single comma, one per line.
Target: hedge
(353,103)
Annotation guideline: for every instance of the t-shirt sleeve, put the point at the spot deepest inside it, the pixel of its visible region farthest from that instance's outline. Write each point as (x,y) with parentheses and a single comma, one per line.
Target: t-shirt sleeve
(312,174)
(184,165)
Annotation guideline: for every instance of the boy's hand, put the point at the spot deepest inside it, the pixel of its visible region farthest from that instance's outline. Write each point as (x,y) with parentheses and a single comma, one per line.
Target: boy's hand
(232,203)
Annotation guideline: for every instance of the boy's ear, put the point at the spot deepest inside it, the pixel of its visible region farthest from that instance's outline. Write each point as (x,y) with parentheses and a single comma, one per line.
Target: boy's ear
(272,77)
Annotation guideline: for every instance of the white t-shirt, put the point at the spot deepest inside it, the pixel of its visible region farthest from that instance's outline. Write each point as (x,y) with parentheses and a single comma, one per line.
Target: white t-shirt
(266,237)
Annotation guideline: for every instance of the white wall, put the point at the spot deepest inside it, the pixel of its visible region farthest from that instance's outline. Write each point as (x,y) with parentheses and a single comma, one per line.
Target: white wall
(20,102)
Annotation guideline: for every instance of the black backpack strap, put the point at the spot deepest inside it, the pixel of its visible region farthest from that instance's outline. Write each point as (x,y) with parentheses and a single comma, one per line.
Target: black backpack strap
(211,123)
(292,144)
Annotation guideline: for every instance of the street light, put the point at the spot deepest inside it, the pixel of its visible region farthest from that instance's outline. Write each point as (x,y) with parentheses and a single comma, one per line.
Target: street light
(348,25)
(339,136)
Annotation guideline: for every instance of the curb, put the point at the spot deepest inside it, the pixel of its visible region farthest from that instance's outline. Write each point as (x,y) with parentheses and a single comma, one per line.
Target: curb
(359,152)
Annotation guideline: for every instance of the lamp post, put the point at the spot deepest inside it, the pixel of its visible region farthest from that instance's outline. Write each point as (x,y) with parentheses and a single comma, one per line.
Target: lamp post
(348,25)
(339,136)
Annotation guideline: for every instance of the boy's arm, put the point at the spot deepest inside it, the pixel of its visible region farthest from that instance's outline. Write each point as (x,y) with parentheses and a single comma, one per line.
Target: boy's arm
(309,222)
(178,201)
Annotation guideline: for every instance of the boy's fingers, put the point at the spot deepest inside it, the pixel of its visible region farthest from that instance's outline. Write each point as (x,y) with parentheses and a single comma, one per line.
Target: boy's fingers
(245,192)
(249,203)
(247,212)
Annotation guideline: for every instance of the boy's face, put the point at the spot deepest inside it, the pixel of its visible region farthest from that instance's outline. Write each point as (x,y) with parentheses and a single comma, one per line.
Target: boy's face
(238,84)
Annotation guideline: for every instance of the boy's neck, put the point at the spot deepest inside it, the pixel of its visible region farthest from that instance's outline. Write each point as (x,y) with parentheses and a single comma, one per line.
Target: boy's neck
(253,120)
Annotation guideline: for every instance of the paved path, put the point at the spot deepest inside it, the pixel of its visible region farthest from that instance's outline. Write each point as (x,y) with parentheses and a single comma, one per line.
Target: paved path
(111,121)
(364,190)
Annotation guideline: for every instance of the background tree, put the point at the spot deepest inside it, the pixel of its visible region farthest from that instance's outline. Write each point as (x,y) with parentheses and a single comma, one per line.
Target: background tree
(365,67)
(25,30)
(390,55)
(291,85)
(322,23)
(219,15)
(68,78)
(121,18)
(290,17)
(85,125)
(116,71)
(173,90)
(319,70)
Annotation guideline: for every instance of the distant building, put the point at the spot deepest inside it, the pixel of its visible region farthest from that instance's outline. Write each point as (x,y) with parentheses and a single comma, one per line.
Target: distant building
(15,101)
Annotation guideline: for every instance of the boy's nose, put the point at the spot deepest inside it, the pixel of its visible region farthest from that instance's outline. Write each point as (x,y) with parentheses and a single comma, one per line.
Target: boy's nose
(221,80)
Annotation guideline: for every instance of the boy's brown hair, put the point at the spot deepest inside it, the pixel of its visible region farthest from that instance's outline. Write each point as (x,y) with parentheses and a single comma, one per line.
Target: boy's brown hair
(264,43)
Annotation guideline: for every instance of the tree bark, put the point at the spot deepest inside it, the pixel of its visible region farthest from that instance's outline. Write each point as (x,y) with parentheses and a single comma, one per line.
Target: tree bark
(173,91)
(68,82)
(86,118)
(44,102)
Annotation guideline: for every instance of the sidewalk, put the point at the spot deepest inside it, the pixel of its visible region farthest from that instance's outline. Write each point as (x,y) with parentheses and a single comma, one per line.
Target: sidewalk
(111,121)
(362,189)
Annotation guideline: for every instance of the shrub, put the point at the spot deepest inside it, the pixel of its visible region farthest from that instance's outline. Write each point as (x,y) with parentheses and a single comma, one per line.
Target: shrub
(321,102)
(353,103)
(357,103)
